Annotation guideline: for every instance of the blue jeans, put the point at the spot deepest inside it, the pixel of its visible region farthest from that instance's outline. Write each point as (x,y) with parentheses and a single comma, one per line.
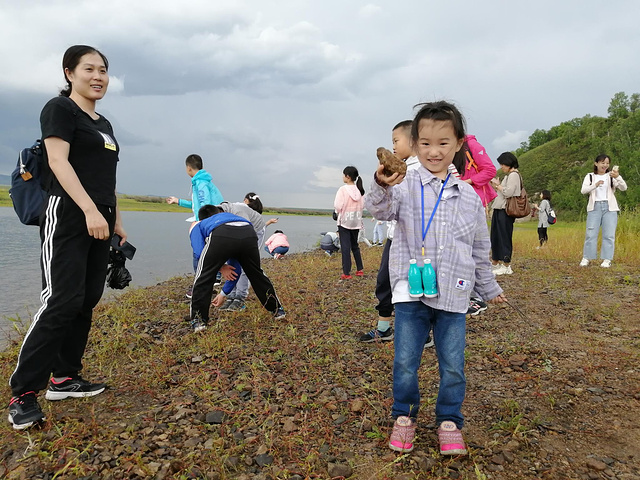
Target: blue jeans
(600,216)
(280,250)
(413,321)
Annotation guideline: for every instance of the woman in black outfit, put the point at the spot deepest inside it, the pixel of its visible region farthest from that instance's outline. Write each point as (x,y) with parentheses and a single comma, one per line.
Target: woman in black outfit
(81,216)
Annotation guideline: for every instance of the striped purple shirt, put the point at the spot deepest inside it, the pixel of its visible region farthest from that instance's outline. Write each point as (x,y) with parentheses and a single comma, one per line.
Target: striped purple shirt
(457,241)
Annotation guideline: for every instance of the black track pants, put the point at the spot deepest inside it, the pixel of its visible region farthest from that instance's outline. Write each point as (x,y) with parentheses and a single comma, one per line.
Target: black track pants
(74,269)
(225,242)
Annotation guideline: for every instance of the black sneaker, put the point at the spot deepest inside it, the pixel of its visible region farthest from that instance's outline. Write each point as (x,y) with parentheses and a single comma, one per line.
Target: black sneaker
(375,335)
(24,411)
(198,324)
(237,305)
(279,314)
(475,307)
(227,303)
(189,293)
(71,387)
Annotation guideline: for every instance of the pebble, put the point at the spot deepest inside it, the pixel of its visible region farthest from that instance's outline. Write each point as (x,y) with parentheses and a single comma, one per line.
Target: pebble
(215,417)
(262,449)
(508,456)
(595,464)
(263,459)
(192,442)
(425,463)
(289,425)
(340,419)
(512,446)
(357,406)
(339,470)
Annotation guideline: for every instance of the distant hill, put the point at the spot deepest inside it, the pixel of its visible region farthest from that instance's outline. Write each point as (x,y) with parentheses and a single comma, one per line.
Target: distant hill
(557,160)
(5,179)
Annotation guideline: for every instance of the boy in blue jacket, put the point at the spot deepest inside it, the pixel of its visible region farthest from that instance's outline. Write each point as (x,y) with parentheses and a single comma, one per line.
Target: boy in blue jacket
(203,190)
(218,237)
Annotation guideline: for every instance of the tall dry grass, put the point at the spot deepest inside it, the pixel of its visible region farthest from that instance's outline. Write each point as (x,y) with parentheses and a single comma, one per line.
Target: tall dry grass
(567,239)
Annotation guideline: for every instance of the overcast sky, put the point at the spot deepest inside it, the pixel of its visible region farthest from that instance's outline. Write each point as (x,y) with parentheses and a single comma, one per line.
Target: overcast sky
(279,96)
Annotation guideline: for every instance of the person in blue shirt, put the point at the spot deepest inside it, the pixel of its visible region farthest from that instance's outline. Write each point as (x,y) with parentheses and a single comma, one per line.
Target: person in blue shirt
(203,190)
(218,237)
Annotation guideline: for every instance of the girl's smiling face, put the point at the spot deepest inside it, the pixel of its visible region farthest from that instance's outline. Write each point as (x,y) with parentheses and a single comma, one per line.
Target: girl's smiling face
(437,145)
(603,165)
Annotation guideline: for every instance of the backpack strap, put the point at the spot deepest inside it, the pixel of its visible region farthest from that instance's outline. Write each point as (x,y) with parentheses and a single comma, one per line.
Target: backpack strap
(471,162)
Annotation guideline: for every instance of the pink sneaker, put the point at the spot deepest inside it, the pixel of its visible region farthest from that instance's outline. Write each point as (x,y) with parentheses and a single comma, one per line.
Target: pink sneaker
(450,438)
(404,431)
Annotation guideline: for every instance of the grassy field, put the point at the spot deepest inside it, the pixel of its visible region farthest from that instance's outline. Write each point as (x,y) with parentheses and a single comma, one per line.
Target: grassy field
(567,239)
(553,394)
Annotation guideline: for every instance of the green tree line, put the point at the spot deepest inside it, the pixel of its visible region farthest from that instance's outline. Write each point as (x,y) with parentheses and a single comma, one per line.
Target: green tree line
(558,159)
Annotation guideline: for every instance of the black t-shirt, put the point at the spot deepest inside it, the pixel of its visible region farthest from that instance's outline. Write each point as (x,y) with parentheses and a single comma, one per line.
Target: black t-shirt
(93,151)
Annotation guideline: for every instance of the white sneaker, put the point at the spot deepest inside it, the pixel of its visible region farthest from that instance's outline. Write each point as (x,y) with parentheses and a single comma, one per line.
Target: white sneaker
(502,270)
(584,262)
(605,263)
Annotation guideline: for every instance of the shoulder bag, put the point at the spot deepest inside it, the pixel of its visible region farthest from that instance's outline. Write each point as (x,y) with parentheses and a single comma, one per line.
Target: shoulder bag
(518,207)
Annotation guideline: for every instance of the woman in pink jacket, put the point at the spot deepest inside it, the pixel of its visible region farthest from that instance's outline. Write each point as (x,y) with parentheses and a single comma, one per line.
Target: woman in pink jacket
(478,169)
(349,205)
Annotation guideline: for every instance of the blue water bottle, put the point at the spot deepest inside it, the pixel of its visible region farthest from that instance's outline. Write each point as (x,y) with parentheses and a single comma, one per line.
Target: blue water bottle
(429,279)
(415,279)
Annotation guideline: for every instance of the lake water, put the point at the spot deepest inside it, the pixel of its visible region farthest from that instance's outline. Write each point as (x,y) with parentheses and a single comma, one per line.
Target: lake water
(163,251)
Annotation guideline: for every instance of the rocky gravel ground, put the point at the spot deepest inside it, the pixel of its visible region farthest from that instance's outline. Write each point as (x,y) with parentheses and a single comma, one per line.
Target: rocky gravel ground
(553,386)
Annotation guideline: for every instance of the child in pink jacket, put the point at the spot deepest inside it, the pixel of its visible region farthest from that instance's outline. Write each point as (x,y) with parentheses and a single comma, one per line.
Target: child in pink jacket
(349,205)
(478,170)
(277,244)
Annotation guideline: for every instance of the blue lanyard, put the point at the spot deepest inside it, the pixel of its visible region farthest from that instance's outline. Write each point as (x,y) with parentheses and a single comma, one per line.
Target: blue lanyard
(425,230)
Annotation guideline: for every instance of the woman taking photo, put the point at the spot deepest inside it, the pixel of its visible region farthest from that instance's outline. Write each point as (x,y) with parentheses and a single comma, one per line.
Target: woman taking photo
(501,223)
(602,210)
(81,216)
(349,204)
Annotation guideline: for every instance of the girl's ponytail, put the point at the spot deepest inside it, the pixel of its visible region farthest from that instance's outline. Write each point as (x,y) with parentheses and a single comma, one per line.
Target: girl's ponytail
(352,173)
(253,201)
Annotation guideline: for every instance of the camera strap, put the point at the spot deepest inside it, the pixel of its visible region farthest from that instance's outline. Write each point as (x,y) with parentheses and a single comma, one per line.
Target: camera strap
(425,230)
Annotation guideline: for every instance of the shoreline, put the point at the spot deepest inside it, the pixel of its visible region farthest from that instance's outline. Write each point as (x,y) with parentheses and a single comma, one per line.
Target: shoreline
(148,203)
(253,398)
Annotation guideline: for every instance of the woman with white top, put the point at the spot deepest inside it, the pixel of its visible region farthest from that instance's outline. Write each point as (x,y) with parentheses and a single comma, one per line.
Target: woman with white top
(602,210)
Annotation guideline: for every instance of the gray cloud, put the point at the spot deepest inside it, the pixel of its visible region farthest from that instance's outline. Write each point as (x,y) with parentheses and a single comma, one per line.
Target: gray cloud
(278,99)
